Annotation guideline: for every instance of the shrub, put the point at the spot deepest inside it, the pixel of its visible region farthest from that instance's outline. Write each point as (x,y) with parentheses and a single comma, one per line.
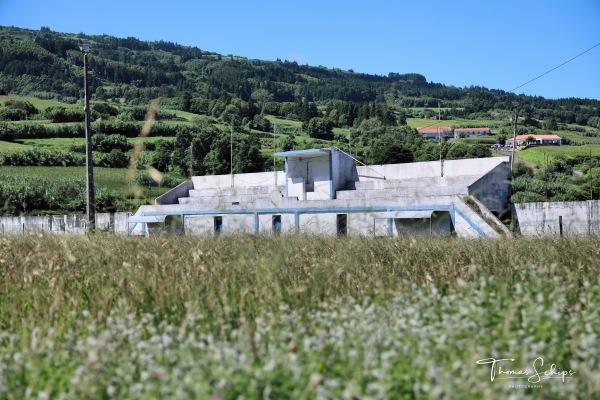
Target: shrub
(46,158)
(106,143)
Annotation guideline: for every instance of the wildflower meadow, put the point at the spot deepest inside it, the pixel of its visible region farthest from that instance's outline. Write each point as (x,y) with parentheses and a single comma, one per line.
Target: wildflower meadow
(297,317)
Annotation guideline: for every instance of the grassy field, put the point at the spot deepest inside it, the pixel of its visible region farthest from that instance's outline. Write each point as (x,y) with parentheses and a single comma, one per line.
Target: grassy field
(12,146)
(536,154)
(423,122)
(109,178)
(578,139)
(39,103)
(297,317)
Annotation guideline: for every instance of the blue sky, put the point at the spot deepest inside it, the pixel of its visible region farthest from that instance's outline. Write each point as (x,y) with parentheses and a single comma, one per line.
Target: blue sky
(496,44)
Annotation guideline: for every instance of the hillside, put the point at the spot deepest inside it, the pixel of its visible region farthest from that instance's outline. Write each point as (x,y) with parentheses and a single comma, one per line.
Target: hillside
(48,64)
(206,100)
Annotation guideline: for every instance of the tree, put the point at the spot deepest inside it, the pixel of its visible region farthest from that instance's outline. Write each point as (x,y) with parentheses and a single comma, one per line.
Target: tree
(386,152)
(367,130)
(261,123)
(550,124)
(319,128)
(162,155)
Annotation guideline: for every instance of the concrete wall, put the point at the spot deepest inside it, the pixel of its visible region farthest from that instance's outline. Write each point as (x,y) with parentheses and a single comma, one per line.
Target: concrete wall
(342,170)
(493,189)
(312,169)
(579,218)
(440,224)
(115,223)
(181,190)
(452,168)
(238,180)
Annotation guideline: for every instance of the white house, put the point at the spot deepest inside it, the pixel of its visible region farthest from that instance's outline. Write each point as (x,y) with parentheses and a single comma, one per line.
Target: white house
(538,139)
(468,132)
(435,132)
(321,191)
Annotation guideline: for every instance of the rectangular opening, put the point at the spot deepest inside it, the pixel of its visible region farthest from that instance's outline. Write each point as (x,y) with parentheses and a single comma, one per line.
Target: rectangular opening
(276,224)
(218,225)
(342,224)
(560,225)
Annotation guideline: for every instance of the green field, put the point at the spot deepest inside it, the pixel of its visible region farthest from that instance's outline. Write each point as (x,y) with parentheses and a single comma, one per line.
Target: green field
(12,146)
(295,317)
(577,139)
(109,178)
(39,103)
(536,154)
(452,123)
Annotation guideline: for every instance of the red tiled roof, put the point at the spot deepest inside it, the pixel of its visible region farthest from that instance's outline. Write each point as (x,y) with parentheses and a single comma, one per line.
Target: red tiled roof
(470,129)
(524,137)
(434,129)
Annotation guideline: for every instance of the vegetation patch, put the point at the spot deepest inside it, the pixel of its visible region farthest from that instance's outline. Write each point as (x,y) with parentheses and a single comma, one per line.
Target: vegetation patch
(272,317)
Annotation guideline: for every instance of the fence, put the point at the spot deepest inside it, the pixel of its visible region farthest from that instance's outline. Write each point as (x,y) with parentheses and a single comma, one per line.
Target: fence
(115,223)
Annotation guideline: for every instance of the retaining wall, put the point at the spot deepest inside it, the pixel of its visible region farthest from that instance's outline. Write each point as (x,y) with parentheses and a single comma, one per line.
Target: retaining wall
(581,218)
(115,223)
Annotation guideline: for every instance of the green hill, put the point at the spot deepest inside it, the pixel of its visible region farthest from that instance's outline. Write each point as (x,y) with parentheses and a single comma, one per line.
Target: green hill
(206,99)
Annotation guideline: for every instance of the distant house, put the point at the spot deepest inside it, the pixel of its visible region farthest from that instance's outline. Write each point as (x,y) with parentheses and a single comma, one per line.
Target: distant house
(434,132)
(468,132)
(539,140)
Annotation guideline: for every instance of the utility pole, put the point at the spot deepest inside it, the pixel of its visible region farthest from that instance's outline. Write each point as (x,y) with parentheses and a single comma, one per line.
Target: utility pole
(512,158)
(191,159)
(274,150)
(440,140)
(90,209)
(591,180)
(231,154)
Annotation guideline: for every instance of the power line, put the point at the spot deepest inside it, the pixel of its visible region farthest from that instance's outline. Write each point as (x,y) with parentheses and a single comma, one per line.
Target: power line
(555,68)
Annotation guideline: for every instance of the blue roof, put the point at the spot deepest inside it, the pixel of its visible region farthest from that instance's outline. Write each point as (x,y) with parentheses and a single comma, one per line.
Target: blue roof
(301,152)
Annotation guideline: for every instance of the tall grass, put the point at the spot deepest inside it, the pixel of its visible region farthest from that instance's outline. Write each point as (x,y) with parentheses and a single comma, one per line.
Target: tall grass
(294,316)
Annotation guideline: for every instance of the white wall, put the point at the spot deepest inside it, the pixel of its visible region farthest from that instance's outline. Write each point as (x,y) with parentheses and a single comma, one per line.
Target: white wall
(312,169)
(468,167)
(578,218)
(239,180)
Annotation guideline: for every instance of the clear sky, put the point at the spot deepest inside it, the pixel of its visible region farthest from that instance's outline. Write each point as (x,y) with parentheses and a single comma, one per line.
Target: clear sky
(498,44)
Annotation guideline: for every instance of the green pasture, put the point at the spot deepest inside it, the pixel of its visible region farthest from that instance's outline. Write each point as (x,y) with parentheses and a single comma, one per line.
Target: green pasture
(281,121)
(39,103)
(12,146)
(577,138)
(51,143)
(452,123)
(536,155)
(109,178)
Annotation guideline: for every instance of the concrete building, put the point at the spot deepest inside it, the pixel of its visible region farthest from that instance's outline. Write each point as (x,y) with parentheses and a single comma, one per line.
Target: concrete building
(468,132)
(321,191)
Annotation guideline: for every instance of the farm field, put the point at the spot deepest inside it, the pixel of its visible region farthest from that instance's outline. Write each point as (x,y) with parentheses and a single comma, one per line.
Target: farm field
(40,104)
(297,317)
(109,178)
(423,122)
(536,154)
(577,139)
